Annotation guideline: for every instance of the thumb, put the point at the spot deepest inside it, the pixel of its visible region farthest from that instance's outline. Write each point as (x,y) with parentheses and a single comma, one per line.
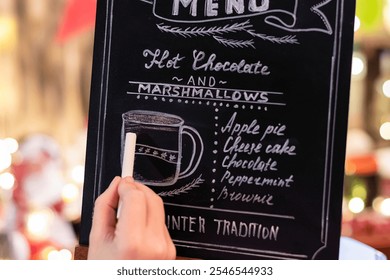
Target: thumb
(104,216)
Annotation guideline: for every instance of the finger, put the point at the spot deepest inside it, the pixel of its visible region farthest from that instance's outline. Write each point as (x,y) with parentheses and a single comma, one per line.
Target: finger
(132,219)
(157,224)
(105,209)
(171,250)
(155,208)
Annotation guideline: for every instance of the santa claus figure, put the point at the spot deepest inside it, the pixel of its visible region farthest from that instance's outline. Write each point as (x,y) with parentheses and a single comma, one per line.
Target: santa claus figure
(37,196)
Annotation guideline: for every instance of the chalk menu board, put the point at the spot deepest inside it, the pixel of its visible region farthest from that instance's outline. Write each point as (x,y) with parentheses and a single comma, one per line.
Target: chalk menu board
(240,110)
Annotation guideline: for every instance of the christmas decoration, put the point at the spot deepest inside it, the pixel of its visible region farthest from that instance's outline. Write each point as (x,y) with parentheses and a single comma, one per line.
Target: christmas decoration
(79,15)
(38,197)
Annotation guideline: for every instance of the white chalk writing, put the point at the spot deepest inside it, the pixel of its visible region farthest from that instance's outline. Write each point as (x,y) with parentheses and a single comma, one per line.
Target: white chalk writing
(239,180)
(247,230)
(212,6)
(242,67)
(186,223)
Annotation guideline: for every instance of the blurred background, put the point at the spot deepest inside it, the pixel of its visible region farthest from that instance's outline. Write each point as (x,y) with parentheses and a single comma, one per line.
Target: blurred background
(46,57)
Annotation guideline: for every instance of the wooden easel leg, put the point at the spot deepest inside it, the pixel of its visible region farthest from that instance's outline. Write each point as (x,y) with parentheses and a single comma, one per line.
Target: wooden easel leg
(81,252)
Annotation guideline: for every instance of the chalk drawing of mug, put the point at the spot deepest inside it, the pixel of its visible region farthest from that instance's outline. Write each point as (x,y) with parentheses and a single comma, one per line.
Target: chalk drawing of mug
(158,154)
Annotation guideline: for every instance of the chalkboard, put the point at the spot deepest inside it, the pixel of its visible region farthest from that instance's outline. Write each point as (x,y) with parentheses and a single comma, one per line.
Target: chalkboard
(240,110)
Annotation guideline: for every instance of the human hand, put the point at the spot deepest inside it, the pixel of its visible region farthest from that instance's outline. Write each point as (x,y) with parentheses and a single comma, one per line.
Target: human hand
(138,233)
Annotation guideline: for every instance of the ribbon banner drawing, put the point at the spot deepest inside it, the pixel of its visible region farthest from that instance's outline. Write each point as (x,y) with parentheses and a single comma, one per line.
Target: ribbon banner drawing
(281,14)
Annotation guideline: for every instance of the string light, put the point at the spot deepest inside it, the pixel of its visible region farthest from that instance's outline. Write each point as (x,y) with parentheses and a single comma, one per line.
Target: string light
(8,30)
(5,160)
(385,207)
(356,205)
(78,174)
(384,131)
(360,191)
(70,193)
(10,145)
(44,253)
(381,205)
(62,255)
(386,88)
(7,181)
(357,24)
(38,224)
(386,15)
(358,65)
(376,204)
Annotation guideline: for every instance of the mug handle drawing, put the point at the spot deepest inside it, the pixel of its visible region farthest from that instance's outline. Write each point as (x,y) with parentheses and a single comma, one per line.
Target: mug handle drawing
(196,152)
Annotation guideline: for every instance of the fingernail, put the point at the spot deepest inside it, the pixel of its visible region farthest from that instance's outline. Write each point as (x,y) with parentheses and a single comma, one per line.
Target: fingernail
(116,178)
(129,179)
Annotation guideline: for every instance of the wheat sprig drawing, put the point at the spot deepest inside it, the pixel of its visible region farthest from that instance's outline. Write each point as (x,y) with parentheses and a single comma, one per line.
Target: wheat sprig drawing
(289,39)
(203,31)
(235,43)
(217,31)
(193,184)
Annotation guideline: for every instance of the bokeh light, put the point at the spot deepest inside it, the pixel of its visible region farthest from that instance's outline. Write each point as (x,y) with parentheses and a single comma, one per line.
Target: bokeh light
(70,193)
(356,205)
(38,224)
(384,131)
(7,181)
(386,88)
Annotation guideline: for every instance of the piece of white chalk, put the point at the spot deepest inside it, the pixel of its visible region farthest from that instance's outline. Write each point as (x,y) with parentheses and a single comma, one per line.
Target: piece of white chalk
(129,155)
(128,159)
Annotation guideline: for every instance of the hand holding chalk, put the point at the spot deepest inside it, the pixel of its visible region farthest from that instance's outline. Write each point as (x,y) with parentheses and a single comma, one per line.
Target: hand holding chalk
(138,233)
(143,218)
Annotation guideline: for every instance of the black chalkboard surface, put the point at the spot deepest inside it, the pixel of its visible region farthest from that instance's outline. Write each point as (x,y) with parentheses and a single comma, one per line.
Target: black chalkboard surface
(240,110)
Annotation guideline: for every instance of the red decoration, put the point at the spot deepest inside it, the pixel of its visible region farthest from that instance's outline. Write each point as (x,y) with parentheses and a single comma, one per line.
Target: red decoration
(79,15)
(361,164)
